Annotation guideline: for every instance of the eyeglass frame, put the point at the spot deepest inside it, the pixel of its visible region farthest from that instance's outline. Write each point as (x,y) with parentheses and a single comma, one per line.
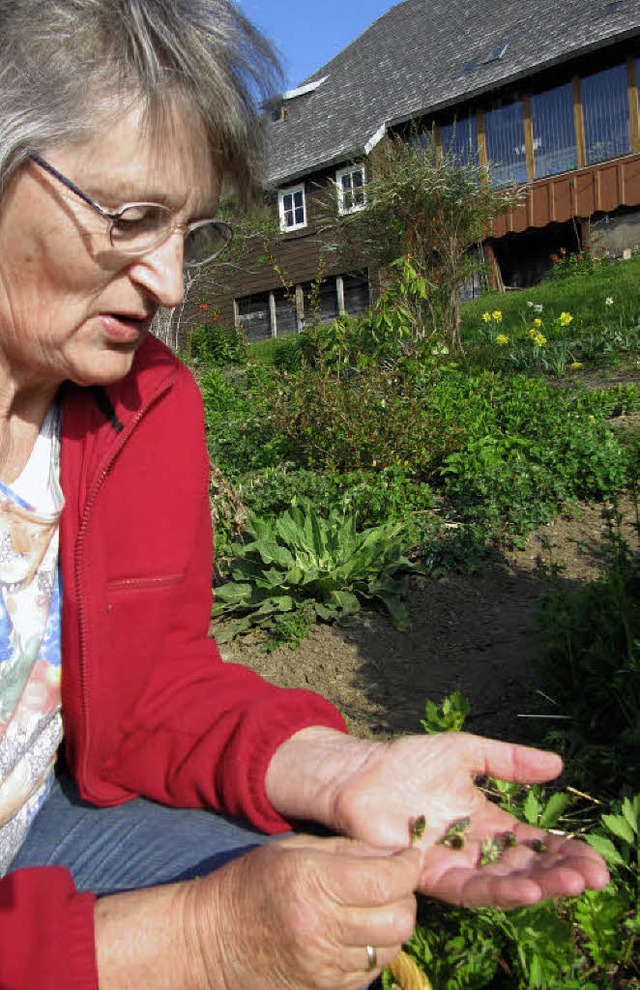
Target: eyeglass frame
(225,229)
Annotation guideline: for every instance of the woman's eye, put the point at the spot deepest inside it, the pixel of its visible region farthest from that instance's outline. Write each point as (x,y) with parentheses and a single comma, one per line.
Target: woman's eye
(142,216)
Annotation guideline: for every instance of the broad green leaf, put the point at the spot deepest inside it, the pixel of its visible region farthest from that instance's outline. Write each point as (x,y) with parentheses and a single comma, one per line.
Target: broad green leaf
(631,812)
(606,849)
(531,808)
(397,611)
(620,827)
(553,809)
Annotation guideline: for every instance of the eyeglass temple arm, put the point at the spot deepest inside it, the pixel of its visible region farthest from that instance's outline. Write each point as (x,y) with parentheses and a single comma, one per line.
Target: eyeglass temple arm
(35,157)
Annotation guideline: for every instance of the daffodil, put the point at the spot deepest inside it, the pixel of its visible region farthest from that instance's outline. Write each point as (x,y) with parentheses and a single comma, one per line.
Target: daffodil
(537,322)
(497,315)
(538,307)
(502,340)
(565,319)
(609,301)
(539,340)
(486,317)
(575,365)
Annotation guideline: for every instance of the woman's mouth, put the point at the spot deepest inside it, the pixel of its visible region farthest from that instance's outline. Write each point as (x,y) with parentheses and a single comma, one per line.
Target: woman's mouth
(122,328)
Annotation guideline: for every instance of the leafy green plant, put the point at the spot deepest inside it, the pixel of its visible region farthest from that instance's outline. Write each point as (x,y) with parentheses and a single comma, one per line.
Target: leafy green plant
(300,559)
(609,920)
(214,344)
(449,716)
(591,665)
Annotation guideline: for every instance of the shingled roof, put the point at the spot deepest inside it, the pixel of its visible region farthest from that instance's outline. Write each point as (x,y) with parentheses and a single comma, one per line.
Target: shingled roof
(424,55)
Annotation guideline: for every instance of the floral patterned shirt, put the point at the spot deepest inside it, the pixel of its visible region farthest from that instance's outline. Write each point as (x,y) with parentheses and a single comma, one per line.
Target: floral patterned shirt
(30,610)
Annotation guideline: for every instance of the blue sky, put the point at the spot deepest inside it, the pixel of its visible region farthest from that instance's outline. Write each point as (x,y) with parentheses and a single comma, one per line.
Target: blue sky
(308,33)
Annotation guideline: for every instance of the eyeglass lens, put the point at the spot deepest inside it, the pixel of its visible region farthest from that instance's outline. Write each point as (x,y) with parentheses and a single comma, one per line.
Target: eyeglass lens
(143,226)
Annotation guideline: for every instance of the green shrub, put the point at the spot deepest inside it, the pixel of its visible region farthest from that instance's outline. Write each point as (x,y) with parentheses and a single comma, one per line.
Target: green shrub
(239,435)
(213,343)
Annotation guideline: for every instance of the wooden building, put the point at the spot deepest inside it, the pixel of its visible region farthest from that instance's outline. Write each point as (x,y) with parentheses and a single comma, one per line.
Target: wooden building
(546,91)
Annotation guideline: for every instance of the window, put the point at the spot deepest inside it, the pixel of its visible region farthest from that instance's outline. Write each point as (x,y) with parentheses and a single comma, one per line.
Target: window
(253,313)
(291,205)
(351,194)
(459,140)
(504,131)
(605,107)
(554,141)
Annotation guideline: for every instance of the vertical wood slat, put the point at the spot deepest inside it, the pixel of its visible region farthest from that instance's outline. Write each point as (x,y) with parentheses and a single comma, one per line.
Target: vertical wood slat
(528,138)
(273,318)
(634,110)
(482,140)
(578,119)
(299,308)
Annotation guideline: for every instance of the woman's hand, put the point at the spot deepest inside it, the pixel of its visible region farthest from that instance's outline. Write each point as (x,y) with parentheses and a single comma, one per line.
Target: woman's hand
(295,914)
(298,914)
(375,791)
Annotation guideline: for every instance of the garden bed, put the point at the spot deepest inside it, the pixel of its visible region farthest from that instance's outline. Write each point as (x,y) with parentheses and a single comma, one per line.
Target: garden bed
(472,632)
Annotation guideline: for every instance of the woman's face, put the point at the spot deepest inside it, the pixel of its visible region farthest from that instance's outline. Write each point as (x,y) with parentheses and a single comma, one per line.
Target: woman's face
(70,306)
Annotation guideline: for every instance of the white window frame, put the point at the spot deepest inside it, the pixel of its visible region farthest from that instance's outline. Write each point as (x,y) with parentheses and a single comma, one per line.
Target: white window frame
(349,170)
(291,191)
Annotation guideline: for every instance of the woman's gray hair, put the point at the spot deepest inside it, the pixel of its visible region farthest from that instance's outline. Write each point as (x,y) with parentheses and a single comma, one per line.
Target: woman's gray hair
(64,64)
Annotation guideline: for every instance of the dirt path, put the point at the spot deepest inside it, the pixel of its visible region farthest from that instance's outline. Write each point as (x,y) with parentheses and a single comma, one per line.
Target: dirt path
(475,633)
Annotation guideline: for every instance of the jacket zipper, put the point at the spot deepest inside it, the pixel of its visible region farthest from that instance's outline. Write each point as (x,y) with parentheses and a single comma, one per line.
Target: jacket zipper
(79,569)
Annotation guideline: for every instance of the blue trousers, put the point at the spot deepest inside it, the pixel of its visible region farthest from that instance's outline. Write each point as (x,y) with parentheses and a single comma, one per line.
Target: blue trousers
(133,845)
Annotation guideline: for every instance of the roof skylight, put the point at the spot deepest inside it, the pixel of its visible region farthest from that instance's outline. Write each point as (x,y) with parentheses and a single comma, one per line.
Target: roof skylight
(496,53)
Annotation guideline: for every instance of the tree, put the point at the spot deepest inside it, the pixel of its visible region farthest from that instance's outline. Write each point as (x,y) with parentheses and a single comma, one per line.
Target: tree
(424,204)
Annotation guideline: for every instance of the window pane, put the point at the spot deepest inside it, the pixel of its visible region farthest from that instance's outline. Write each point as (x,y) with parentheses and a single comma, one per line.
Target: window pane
(356,294)
(605,107)
(253,312)
(320,302)
(504,132)
(554,142)
(460,140)
(286,319)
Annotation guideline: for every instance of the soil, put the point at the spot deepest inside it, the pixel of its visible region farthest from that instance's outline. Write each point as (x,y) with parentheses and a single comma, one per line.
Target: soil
(472,632)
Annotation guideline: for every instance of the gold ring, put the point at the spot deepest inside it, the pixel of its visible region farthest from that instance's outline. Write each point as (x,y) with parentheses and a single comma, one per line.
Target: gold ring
(372,957)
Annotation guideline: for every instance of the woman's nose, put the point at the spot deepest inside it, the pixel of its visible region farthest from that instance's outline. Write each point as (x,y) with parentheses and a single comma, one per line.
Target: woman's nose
(161,271)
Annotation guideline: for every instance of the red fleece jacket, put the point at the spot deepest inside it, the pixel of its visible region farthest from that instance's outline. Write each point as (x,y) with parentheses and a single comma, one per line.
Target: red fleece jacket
(148,706)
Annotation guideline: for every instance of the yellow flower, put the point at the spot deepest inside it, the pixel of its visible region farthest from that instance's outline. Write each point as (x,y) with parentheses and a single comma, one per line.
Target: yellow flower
(532,332)
(502,340)
(486,317)
(537,322)
(539,340)
(592,419)
(497,315)
(575,365)
(565,319)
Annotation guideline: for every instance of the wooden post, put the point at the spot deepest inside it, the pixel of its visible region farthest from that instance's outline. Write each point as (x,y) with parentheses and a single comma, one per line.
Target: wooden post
(299,308)
(273,319)
(340,294)
(528,138)
(482,143)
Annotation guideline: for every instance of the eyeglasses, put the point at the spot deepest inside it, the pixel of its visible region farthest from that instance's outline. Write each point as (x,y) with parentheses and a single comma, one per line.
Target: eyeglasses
(138,228)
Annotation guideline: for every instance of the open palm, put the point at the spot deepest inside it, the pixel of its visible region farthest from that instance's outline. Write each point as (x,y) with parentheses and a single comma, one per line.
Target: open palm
(435,777)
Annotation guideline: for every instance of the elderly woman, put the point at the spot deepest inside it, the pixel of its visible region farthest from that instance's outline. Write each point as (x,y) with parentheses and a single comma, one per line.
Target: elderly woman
(142,859)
